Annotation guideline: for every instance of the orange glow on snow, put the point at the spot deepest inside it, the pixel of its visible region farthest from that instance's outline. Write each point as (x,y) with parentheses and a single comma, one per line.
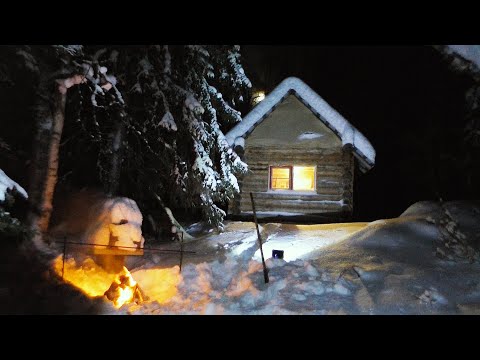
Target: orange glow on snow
(159,285)
(89,277)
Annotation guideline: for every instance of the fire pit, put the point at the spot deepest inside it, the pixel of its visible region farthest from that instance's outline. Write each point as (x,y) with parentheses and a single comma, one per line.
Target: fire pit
(124,290)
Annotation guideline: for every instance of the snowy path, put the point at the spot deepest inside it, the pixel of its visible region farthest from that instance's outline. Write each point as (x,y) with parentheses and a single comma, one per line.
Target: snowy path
(300,241)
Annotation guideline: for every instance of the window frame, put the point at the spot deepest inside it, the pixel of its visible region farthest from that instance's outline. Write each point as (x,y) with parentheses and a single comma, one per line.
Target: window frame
(290,180)
(290,167)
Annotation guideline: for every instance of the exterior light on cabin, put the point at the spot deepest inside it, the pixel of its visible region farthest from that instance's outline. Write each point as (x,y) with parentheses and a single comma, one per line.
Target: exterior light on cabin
(258,96)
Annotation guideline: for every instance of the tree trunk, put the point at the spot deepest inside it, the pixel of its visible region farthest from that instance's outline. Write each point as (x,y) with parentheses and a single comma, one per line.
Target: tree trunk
(116,160)
(50,116)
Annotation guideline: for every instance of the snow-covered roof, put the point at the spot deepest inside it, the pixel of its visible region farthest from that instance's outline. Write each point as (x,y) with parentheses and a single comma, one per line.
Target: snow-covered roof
(7,183)
(349,135)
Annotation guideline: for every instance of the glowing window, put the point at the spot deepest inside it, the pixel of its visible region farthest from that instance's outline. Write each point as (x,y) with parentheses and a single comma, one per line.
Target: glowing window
(304,178)
(280,177)
(299,178)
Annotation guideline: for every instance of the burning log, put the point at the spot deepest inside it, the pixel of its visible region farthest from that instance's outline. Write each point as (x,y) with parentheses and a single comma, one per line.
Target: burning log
(124,290)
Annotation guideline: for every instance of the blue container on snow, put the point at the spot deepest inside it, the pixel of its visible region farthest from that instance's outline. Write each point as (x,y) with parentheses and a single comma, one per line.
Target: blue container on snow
(277,254)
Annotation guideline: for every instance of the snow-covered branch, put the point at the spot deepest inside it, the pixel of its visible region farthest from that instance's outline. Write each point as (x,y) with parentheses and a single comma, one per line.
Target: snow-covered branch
(8,184)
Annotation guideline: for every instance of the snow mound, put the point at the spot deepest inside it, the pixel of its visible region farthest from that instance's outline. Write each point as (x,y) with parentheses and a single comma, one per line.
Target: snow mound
(458,223)
(118,218)
(423,209)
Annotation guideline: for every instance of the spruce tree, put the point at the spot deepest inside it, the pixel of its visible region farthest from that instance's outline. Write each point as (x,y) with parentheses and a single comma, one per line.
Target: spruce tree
(160,129)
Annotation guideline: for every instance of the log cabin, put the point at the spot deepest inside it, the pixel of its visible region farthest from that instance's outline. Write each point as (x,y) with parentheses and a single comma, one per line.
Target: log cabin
(301,155)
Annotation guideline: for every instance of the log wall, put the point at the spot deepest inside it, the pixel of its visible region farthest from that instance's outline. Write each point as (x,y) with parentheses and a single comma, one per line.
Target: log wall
(334,181)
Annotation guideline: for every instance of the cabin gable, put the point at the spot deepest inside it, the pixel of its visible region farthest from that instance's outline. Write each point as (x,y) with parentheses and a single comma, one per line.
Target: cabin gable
(292,124)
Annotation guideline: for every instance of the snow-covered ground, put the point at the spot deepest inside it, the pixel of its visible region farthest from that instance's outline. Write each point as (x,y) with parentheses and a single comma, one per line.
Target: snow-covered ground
(389,266)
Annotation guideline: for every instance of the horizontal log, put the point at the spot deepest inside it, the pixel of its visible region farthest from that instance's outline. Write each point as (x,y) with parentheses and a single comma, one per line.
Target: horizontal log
(293,160)
(253,173)
(299,149)
(326,173)
(256,177)
(254,189)
(295,196)
(256,167)
(330,191)
(246,192)
(316,212)
(321,166)
(292,202)
(333,174)
(321,188)
(330,181)
(297,154)
(291,208)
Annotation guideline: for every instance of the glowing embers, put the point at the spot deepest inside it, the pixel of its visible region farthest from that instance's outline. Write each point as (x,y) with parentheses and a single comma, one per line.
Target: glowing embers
(298,178)
(124,290)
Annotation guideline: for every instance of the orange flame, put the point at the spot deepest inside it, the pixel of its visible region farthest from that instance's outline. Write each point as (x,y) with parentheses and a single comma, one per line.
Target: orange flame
(123,290)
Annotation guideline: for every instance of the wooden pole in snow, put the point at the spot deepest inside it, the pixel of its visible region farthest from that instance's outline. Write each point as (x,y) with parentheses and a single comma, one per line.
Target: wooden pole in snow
(265,270)
(181,251)
(64,254)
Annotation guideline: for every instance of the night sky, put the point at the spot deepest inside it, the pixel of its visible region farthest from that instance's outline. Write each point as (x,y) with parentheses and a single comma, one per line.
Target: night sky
(405,100)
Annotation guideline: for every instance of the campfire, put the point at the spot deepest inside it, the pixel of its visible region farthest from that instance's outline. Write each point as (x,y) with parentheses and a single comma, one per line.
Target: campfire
(95,281)
(110,232)
(122,288)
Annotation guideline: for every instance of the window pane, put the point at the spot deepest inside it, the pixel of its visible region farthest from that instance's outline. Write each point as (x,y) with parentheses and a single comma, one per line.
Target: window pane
(280,178)
(304,178)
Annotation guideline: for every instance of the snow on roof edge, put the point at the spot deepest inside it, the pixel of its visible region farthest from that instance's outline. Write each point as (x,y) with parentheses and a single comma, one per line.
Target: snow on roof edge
(332,118)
